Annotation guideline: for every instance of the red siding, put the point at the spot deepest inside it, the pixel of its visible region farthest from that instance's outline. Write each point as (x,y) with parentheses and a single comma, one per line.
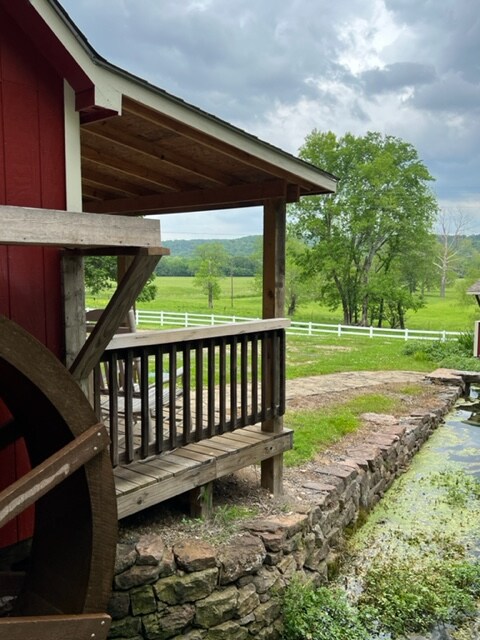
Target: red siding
(31,174)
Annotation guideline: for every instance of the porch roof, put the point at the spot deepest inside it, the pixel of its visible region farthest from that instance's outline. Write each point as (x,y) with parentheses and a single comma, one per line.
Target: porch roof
(145,151)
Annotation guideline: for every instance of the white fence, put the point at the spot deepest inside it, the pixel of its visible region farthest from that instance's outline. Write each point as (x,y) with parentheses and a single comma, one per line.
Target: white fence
(162,318)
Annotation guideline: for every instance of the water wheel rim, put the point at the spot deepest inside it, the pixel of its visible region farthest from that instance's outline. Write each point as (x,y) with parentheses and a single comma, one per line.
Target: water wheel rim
(73,548)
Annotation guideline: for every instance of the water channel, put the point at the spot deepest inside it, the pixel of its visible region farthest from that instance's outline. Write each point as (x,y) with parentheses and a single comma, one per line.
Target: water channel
(434,506)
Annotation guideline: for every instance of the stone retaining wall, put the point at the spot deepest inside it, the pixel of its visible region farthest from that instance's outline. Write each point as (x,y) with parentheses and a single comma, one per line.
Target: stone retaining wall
(195,592)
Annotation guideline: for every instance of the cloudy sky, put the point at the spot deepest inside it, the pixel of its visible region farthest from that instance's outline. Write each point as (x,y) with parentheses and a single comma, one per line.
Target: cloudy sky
(279,68)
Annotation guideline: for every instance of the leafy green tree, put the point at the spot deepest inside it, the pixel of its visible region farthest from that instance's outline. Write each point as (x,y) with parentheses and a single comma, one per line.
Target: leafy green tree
(383,204)
(175,266)
(210,262)
(299,286)
(101,274)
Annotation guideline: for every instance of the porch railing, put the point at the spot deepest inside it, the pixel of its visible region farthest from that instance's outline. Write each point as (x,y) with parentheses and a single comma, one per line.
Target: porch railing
(159,390)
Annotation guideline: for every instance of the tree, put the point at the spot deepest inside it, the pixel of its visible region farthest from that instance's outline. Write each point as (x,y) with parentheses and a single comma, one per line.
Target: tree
(451,234)
(101,274)
(299,287)
(382,206)
(210,262)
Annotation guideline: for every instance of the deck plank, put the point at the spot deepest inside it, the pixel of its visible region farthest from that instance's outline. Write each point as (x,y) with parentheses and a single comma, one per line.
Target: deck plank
(192,466)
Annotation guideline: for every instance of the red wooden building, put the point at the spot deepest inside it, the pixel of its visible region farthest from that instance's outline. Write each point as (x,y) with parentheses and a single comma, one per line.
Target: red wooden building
(80,135)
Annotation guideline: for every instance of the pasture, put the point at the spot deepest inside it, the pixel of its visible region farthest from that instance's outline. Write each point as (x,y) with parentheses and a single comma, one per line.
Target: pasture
(181,294)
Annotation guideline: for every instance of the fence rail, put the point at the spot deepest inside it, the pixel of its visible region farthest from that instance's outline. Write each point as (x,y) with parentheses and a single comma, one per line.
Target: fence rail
(167,318)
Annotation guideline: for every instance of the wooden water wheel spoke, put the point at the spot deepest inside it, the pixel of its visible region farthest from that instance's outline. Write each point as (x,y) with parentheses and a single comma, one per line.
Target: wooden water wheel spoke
(47,475)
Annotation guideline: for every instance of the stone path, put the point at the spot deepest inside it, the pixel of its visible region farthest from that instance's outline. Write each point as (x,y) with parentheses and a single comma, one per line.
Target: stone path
(338,382)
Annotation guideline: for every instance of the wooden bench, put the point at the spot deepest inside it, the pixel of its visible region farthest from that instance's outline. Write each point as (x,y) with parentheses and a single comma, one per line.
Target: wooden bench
(146,483)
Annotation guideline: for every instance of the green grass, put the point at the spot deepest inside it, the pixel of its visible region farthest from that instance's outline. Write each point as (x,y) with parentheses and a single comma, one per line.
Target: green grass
(181,295)
(329,354)
(315,430)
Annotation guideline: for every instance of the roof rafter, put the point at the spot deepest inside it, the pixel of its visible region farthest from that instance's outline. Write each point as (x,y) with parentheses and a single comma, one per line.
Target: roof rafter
(147,174)
(113,134)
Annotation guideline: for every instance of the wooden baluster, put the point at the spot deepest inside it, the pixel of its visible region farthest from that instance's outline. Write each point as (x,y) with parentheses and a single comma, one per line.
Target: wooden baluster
(158,401)
(211,388)
(128,369)
(187,409)
(255,417)
(113,406)
(144,406)
(223,385)
(199,391)
(233,383)
(244,380)
(172,424)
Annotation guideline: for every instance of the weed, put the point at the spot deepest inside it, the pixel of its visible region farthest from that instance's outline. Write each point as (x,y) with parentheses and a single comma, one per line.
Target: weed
(408,597)
(319,614)
(459,487)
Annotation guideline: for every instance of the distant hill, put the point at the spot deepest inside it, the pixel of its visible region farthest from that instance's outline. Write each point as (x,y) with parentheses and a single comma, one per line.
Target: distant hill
(237,247)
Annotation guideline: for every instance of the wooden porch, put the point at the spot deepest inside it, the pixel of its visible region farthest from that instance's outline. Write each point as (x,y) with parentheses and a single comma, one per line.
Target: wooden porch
(187,406)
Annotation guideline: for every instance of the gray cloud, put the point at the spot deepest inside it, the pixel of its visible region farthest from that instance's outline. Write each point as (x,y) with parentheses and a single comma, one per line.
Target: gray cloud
(397,76)
(279,68)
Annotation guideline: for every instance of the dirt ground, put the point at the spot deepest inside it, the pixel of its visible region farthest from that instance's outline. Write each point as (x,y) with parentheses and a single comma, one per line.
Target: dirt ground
(239,496)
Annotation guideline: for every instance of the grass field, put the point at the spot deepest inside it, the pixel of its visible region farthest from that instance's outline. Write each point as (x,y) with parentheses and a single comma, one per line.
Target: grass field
(180,294)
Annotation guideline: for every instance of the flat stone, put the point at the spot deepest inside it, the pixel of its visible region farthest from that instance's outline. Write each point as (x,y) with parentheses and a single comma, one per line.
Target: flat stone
(245,555)
(136,576)
(247,600)
(150,549)
(160,626)
(290,524)
(125,557)
(178,589)
(322,487)
(119,605)
(230,630)
(194,555)
(143,600)
(217,608)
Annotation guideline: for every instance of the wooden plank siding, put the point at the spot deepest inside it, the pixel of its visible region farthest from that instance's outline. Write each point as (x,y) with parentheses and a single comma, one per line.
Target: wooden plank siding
(31,174)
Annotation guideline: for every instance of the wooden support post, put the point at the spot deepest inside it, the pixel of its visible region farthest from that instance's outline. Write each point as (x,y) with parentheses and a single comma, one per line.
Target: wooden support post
(274,231)
(74,308)
(201,501)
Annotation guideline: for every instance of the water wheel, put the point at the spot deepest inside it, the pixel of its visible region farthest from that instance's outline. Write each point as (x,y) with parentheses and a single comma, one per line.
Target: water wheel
(69,572)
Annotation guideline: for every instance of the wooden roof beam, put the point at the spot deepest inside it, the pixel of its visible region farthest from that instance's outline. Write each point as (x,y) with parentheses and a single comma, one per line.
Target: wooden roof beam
(198,200)
(21,225)
(152,150)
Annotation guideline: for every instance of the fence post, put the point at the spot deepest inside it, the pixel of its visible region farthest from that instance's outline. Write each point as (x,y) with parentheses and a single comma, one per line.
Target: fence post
(212,320)
(444,335)
(371,331)
(339,330)
(406,334)
(186,319)
(309,328)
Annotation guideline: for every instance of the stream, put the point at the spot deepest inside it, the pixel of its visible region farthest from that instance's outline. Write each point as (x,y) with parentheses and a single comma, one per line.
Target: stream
(431,509)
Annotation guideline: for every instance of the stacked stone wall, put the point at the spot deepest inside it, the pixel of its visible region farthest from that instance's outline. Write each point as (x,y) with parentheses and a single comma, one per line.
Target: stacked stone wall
(197,592)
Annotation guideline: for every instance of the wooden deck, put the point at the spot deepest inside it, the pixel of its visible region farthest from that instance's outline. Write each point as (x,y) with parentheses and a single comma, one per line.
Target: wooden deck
(147,482)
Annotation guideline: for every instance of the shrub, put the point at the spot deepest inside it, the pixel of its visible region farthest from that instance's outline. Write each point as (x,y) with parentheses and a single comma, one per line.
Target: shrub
(319,614)
(453,354)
